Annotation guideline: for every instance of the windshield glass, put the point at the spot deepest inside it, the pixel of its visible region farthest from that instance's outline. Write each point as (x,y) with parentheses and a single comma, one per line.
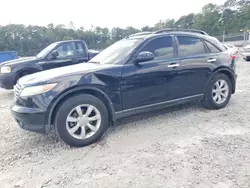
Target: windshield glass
(116,52)
(46,50)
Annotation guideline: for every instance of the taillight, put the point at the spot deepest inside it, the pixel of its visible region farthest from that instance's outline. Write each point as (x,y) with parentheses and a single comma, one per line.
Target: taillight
(233,56)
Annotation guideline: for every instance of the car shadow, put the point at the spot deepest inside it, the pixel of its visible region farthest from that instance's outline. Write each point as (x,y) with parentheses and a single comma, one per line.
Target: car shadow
(155,113)
(53,140)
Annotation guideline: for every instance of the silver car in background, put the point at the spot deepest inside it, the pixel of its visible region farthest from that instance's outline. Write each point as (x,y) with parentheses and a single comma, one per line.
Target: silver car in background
(246,52)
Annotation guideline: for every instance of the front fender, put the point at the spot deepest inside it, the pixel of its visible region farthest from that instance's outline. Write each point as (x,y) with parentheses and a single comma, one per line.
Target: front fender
(29,67)
(76,90)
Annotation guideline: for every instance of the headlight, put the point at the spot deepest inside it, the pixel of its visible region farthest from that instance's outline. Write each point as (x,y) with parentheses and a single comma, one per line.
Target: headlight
(36,90)
(6,69)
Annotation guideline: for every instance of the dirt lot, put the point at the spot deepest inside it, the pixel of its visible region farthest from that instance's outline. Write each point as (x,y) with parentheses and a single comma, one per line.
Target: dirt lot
(185,146)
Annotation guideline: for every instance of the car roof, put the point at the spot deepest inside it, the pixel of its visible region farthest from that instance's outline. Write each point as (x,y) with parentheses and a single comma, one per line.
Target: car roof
(149,35)
(168,31)
(63,41)
(184,32)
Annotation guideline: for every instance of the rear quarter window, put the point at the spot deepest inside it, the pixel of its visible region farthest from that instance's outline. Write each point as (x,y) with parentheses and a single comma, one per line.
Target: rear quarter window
(211,47)
(217,43)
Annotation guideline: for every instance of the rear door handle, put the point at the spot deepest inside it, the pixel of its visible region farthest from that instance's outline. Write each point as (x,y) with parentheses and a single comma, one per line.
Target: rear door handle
(174,65)
(211,60)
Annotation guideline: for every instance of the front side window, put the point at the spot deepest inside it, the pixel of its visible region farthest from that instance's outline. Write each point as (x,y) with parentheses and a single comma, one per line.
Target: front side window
(65,50)
(160,47)
(190,46)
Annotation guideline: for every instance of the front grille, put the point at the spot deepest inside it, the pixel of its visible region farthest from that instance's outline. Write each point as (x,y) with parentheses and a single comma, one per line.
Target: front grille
(17,90)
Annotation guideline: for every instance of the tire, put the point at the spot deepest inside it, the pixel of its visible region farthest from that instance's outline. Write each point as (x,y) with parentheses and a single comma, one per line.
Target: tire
(68,108)
(247,58)
(208,100)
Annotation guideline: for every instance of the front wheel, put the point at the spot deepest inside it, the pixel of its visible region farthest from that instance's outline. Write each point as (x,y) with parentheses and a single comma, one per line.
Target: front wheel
(81,120)
(218,92)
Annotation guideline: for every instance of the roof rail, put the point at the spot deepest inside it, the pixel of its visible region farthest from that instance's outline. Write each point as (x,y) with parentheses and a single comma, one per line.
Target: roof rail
(180,29)
(140,33)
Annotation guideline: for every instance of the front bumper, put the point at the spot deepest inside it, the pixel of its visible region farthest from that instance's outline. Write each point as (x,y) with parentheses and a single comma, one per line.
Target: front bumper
(8,80)
(31,119)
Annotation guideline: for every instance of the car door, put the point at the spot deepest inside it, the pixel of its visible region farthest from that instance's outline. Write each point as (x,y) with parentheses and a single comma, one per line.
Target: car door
(197,64)
(153,81)
(66,56)
(81,52)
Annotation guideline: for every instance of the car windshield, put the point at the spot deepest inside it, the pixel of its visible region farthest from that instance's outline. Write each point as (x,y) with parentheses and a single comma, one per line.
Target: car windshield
(116,52)
(46,50)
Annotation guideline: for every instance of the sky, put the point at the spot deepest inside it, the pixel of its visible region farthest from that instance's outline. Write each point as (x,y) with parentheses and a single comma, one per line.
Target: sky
(103,13)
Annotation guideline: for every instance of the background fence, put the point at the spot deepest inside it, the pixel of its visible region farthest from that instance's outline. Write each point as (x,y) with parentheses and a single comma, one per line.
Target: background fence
(238,39)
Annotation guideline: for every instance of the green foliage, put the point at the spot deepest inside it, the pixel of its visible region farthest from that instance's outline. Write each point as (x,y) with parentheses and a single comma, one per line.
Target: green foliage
(231,17)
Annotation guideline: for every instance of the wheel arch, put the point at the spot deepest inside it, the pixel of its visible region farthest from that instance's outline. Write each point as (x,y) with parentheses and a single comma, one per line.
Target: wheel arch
(82,90)
(227,72)
(27,69)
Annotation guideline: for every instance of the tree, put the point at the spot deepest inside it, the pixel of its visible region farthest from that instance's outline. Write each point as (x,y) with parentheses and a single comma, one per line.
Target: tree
(164,24)
(232,16)
(186,21)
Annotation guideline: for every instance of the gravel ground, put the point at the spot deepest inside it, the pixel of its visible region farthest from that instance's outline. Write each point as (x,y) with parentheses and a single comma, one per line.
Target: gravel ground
(184,146)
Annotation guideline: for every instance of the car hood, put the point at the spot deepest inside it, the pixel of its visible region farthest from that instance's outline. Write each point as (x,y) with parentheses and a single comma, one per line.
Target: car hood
(58,73)
(18,61)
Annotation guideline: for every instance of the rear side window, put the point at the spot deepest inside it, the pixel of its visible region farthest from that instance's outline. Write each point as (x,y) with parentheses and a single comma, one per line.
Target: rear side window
(160,47)
(80,49)
(189,46)
(212,48)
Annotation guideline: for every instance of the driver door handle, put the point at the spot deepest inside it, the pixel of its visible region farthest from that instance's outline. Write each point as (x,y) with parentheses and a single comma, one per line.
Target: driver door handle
(174,65)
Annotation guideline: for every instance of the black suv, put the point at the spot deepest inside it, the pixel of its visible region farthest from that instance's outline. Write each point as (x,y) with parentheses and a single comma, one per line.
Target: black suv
(142,72)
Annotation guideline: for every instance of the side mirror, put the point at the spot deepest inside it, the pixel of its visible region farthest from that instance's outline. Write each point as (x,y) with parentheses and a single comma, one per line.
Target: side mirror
(144,56)
(54,54)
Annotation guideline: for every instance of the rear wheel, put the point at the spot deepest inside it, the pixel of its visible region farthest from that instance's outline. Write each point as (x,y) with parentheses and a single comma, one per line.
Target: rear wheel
(81,120)
(218,92)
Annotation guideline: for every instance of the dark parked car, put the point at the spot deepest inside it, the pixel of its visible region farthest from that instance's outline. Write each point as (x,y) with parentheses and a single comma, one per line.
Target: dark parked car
(143,72)
(58,54)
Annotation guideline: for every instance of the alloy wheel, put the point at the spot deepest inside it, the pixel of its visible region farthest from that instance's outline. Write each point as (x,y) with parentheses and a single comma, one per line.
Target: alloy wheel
(220,91)
(83,121)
